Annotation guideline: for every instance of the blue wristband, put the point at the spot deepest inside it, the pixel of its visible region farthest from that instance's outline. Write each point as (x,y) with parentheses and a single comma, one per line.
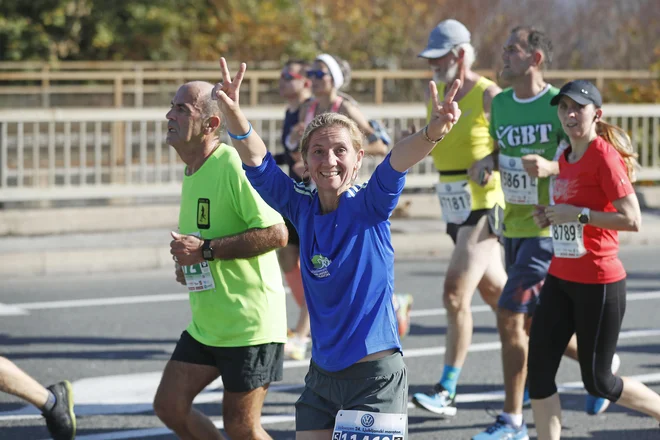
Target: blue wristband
(241,137)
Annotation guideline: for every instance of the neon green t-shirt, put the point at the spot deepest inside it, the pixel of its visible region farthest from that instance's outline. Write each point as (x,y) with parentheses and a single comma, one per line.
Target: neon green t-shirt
(521,127)
(240,302)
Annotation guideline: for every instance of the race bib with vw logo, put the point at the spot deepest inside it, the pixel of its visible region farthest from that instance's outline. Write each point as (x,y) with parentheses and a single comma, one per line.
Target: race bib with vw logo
(519,187)
(455,201)
(363,425)
(568,240)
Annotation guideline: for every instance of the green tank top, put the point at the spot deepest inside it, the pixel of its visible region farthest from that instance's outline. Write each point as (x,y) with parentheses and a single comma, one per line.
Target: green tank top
(522,127)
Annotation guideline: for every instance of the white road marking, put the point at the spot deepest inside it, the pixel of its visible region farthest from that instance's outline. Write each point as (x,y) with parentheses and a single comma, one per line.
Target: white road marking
(153,432)
(133,393)
(14,309)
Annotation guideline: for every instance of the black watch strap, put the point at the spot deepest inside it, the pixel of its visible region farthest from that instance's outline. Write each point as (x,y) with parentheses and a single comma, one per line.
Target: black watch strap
(207,250)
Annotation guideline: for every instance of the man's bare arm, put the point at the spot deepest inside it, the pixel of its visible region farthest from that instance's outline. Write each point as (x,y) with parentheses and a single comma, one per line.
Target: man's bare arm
(250,243)
(187,249)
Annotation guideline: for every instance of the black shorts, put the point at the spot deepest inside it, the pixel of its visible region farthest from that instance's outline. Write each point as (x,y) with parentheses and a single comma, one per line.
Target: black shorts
(495,217)
(242,368)
(294,240)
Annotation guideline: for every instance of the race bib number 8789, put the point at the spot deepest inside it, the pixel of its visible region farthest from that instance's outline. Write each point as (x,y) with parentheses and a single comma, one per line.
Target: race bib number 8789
(568,240)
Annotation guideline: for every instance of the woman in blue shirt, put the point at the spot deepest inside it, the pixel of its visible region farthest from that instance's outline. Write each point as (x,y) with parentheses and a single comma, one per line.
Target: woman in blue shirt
(346,255)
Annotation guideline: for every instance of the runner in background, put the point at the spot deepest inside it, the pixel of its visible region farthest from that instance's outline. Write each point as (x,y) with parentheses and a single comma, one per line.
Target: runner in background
(55,402)
(295,88)
(473,213)
(527,134)
(585,291)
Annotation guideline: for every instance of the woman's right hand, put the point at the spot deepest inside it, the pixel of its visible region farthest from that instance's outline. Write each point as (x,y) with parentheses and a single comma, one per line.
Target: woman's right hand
(540,218)
(480,171)
(227,92)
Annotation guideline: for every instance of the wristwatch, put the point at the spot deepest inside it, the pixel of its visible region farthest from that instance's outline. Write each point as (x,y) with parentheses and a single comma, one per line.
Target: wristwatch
(584,216)
(207,250)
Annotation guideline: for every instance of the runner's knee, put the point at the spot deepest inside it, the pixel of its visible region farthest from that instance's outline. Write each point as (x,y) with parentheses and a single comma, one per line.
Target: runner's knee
(170,410)
(603,384)
(454,296)
(511,325)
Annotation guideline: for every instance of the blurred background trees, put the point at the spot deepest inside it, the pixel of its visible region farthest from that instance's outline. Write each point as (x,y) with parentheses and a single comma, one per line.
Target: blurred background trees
(603,34)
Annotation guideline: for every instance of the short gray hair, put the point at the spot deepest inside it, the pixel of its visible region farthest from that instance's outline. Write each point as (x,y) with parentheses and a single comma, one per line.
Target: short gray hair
(209,107)
(469,54)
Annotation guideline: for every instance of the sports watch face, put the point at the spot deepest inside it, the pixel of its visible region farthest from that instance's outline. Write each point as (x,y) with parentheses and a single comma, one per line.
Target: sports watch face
(207,254)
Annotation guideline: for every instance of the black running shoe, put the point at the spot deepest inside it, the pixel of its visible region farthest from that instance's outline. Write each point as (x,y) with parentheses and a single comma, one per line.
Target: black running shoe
(61,420)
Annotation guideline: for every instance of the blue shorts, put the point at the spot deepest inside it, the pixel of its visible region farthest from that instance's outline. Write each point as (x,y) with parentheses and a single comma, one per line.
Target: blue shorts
(527,261)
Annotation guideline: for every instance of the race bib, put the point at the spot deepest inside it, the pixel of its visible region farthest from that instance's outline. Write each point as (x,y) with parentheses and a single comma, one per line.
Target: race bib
(363,425)
(198,277)
(518,186)
(568,240)
(455,201)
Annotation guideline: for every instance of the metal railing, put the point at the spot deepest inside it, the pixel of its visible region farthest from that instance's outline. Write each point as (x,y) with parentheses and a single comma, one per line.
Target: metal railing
(56,154)
(122,84)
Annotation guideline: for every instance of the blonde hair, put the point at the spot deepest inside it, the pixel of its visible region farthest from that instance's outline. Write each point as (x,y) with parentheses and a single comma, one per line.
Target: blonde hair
(328,120)
(621,142)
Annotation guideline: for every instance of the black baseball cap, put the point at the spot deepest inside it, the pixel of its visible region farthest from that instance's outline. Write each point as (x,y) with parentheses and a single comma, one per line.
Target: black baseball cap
(581,91)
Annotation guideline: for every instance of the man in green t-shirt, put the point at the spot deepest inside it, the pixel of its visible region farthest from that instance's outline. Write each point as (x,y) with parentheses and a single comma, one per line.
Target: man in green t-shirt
(225,255)
(527,138)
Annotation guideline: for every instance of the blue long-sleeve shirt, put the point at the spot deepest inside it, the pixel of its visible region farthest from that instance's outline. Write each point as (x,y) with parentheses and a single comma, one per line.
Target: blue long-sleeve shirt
(346,259)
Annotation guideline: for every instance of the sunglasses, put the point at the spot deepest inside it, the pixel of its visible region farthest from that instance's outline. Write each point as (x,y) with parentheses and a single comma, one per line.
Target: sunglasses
(291,76)
(318,74)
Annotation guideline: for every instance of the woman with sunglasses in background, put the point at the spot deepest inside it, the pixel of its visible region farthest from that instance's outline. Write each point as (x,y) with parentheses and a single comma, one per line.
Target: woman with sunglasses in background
(328,75)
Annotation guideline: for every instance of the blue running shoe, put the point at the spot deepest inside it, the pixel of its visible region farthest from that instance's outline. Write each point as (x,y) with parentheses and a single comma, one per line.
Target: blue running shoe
(526,400)
(501,430)
(598,405)
(437,401)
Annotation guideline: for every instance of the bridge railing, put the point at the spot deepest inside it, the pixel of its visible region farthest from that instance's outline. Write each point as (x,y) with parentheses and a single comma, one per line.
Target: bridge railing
(56,154)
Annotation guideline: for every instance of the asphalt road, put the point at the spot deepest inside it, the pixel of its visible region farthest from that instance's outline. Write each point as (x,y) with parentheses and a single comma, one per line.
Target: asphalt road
(111,335)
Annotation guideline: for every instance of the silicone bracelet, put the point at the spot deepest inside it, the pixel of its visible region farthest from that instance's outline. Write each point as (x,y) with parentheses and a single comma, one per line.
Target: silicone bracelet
(243,136)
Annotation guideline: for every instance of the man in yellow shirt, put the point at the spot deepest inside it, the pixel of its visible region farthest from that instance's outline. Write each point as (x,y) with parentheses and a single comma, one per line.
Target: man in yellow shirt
(472,212)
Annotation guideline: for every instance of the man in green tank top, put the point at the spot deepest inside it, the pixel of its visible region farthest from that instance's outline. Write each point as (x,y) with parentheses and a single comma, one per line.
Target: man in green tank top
(225,255)
(527,138)
(472,212)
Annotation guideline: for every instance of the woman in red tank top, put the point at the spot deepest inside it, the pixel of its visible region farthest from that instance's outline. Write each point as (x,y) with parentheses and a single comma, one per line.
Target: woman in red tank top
(585,290)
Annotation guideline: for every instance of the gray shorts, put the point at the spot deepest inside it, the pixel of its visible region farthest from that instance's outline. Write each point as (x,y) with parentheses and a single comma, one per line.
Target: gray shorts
(377,386)
(527,263)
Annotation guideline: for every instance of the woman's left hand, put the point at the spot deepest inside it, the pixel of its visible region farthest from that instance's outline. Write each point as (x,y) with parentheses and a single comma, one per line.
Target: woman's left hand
(444,114)
(558,214)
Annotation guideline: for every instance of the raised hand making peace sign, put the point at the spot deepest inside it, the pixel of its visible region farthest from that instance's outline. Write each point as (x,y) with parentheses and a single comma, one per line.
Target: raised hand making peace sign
(227,92)
(443,114)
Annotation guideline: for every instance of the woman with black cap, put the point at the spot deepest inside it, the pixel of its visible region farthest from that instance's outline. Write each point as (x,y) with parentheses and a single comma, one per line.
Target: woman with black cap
(585,290)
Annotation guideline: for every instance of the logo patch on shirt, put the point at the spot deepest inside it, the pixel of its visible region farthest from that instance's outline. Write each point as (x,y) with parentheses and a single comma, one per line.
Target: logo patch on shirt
(321,264)
(203,213)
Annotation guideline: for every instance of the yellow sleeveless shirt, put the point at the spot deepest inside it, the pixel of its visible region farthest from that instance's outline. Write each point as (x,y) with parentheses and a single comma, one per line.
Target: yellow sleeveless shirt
(468,141)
